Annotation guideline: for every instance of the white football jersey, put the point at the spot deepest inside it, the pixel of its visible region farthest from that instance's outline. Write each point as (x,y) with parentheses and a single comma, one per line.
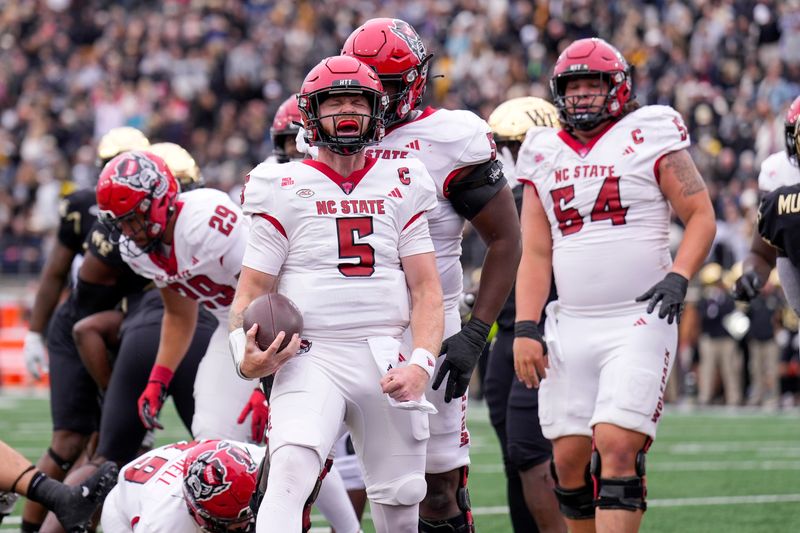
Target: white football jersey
(777,171)
(206,254)
(608,218)
(149,491)
(445,141)
(336,242)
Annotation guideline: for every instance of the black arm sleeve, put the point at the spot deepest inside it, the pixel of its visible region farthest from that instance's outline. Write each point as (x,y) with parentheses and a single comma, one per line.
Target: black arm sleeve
(471,192)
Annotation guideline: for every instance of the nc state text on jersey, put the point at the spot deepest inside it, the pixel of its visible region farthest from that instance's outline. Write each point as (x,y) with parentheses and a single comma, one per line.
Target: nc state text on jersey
(585,171)
(350,207)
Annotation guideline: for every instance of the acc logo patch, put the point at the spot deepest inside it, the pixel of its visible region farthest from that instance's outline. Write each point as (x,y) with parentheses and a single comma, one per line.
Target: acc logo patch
(305,193)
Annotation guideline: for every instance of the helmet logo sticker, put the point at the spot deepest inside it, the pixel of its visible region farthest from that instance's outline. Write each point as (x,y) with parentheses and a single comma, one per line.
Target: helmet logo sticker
(206,478)
(404,31)
(140,173)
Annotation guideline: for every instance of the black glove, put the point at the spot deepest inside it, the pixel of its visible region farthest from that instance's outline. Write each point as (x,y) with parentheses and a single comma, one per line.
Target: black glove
(747,286)
(463,351)
(671,292)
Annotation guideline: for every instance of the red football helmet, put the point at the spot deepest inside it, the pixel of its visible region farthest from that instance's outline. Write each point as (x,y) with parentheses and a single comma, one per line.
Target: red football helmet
(590,58)
(393,48)
(137,188)
(284,125)
(218,480)
(342,75)
(792,131)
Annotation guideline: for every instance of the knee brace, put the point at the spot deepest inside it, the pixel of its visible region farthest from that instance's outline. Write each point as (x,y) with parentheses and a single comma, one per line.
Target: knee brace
(627,493)
(575,504)
(463,523)
(313,496)
(62,463)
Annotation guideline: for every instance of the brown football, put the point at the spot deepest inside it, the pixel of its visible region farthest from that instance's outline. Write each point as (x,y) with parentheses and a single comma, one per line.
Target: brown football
(273,313)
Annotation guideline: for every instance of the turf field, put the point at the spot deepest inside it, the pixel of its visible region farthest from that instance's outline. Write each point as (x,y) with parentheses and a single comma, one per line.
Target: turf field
(709,472)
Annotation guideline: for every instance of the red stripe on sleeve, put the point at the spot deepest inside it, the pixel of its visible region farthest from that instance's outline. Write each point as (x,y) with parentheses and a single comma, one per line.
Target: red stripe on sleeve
(525,181)
(274,222)
(415,217)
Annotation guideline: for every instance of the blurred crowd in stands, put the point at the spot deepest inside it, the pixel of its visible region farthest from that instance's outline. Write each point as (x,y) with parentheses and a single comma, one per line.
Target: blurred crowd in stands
(209,75)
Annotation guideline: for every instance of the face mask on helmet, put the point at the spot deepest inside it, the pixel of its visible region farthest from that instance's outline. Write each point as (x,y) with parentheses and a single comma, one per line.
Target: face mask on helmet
(218,480)
(590,59)
(342,76)
(395,51)
(792,131)
(136,195)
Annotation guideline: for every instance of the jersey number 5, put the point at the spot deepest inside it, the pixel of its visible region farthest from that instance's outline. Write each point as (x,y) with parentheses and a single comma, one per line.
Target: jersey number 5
(607,206)
(348,230)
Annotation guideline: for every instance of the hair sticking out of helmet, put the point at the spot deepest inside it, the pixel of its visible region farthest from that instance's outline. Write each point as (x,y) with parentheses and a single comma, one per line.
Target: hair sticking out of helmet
(285,126)
(218,480)
(394,49)
(181,163)
(136,195)
(512,119)
(590,58)
(119,140)
(338,76)
(792,132)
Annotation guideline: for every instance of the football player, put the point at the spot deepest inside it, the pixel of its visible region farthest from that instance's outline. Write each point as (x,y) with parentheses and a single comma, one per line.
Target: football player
(190,244)
(778,170)
(284,129)
(346,238)
(101,282)
(186,487)
(132,334)
(73,506)
(77,214)
(458,151)
(513,408)
(596,210)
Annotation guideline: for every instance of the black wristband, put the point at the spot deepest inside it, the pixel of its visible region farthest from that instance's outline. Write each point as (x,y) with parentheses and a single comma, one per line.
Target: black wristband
(529,329)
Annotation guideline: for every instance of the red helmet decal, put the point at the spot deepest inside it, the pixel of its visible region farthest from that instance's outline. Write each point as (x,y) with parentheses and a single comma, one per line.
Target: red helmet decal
(141,173)
(404,31)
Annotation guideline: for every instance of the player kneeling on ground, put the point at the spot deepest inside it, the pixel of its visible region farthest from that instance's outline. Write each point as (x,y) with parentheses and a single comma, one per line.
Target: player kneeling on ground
(186,487)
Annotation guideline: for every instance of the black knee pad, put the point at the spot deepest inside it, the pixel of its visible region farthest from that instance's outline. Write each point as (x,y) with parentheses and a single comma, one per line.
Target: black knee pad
(575,504)
(626,493)
(462,523)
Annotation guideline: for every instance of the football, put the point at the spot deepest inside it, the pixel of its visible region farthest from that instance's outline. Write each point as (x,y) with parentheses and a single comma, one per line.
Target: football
(273,313)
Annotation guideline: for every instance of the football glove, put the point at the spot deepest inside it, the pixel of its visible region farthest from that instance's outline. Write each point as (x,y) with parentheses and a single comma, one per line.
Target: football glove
(670,291)
(257,405)
(35,356)
(155,394)
(747,286)
(462,353)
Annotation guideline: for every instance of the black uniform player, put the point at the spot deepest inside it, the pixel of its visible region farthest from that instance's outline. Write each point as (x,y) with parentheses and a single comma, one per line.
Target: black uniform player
(514,408)
(779,225)
(73,395)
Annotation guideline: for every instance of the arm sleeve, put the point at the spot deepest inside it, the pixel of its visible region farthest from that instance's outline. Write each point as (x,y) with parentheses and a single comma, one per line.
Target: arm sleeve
(267,247)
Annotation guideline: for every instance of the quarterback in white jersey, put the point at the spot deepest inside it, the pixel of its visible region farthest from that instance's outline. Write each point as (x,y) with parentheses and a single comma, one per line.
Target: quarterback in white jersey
(596,210)
(346,238)
(191,245)
(458,150)
(778,170)
(186,487)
